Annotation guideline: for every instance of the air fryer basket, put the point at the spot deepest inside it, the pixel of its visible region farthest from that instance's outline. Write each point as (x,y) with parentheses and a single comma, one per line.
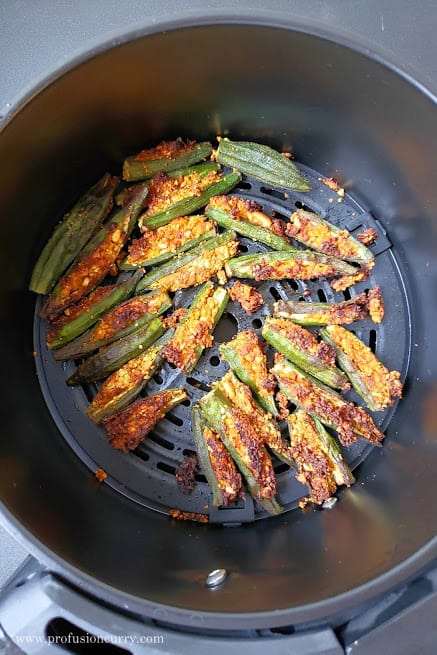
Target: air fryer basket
(342,114)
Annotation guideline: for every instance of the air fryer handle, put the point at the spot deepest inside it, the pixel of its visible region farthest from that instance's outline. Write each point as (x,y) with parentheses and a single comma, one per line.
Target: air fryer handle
(28,611)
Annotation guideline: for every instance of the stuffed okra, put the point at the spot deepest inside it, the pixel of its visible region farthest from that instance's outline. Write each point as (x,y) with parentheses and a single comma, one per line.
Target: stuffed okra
(157,246)
(313,231)
(166,156)
(378,386)
(130,426)
(299,264)
(248,361)
(172,197)
(241,397)
(125,384)
(319,462)
(113,356)
(194,332)
(242,440)
(79,317)
(72,233)
(95,260)
(263,163)
(245,217)
(367,303)
(193,267)
(215,461)
(301,347)
(123,319)
(350,421)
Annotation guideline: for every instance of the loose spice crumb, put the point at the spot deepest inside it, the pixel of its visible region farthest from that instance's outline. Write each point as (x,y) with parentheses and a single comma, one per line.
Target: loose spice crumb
(330,182)
(179,515)
(185,474)
(101,475)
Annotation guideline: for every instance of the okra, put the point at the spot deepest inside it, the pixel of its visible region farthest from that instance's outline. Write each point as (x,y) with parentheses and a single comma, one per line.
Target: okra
(246,218)
(313,231)
(194,194)
(238,434)
(160,245)
(121,321)
(378,386)
(299,264)
(113,356)
(95,260)
(349,420)
(127,429)
(125,384)
(72,233)
(263,163)
(323,313)
(194,332)
(77,319)
(240,395)
(318,458)
(301,347)
(167,156)
(194,267)
(248,361)
(215,461)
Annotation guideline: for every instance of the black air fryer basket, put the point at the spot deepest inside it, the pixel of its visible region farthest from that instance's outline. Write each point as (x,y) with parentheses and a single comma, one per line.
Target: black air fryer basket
(343,114)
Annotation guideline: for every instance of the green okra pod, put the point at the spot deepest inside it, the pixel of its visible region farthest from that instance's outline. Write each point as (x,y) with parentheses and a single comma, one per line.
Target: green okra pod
(263,163)
(314,232)
(72,233)
(215,461)
(297,264)
(248,361)
(113,356)
(301,347)
(323,313)
(244,444)
(120,321)
(349,420)
(166,157)
(193,267)
(194,332)
(195,199)
(89,310)
(95,260)
(126,383)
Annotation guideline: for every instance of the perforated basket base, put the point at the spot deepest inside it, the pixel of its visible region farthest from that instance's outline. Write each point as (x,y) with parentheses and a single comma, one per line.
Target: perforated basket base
(147,475)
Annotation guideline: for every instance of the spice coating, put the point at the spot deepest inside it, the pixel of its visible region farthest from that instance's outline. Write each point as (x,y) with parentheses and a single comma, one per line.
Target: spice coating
(249,298)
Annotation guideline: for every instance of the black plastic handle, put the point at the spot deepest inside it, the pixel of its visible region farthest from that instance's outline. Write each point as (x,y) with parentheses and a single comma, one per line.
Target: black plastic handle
(44,616)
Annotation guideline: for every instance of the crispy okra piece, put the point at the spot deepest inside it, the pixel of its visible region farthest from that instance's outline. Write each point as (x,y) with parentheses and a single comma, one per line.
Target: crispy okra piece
(349,279)
(349,420)
(247,359)
(95,260)
(160,245)
(240,395)
(318,458)
(239,435)
(298,264)
(249,298)
(378,386)
(125,384)
(166,156)
(170,198)
(111,357)
(194,332)
(245,217)
(338,313)
(193,267)
(301,347)
(263,163)
(127,429)
(314,232)
(215,461)
(122,320)
(72,233)
(79,317)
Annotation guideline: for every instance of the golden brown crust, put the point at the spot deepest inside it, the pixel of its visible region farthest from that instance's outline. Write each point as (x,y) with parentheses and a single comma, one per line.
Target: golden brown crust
(168,238)
(303,339)
(165,191)
(175,317)
(253,359)
(346,281)
(282,403)
(249,298)
(77,309)
(228,478)
(367,237)
(375,305)
(125,314)
(165,149)
(298,269)
(250,211)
